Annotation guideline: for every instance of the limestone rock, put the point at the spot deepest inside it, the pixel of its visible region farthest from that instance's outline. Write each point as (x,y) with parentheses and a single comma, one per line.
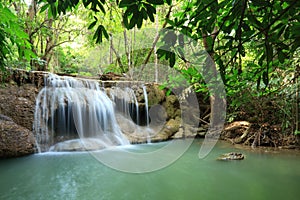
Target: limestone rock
(231,156)
(172,106)
(18,102)
(155,95)
(15,140)
(170,128)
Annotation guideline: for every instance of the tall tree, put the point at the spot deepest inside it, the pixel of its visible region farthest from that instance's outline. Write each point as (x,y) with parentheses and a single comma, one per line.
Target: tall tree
(47,32)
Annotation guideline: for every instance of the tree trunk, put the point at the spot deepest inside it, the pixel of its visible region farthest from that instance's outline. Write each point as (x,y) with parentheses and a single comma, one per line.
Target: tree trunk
(155,54)
(47,54)
(118,57)
(216,89)
(127,49)
(110,49)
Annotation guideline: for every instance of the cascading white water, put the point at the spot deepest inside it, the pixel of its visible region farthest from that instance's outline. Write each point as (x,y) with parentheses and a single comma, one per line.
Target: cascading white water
(132,116)
(126,102)
(147,112)
(146,105)
(68,107)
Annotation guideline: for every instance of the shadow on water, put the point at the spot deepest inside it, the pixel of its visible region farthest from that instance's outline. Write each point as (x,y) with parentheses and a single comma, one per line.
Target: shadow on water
(261,175)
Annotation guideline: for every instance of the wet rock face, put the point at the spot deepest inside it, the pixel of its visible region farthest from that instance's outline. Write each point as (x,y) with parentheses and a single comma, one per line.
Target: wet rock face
(18,102)
(155,95)
(15,140)
(172,106)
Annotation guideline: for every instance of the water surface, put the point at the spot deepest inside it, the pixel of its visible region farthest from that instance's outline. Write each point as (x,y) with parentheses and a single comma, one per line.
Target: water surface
(68,176)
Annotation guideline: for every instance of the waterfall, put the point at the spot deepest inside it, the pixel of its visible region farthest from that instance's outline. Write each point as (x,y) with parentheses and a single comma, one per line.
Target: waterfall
(146,105)
(132,111)
(126,102)
(67,108)
(147,112)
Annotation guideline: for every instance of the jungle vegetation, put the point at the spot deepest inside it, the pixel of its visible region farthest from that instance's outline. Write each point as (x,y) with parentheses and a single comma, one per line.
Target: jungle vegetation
(253,44)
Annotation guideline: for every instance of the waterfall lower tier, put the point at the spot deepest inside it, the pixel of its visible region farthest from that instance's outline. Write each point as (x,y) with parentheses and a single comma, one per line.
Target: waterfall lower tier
(67,108)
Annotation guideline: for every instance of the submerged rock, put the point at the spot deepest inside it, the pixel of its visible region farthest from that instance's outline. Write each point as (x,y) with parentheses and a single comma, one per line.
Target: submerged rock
(88,144)
(231,156)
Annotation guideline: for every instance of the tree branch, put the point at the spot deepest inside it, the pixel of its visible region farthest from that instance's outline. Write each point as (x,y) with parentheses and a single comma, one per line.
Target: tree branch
(156,39)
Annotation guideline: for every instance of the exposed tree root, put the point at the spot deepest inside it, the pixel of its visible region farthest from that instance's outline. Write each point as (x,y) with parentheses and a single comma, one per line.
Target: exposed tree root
(255,134)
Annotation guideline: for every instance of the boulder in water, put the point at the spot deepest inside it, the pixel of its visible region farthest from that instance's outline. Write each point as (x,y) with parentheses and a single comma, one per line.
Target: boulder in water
(231,156)
(87,144)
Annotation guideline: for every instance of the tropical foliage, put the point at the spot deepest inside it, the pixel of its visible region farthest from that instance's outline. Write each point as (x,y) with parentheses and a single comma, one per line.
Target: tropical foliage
(253,44)
(13,38)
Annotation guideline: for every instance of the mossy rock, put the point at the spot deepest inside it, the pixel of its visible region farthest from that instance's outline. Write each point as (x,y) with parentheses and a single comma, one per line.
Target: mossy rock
(172,106)
(155,95)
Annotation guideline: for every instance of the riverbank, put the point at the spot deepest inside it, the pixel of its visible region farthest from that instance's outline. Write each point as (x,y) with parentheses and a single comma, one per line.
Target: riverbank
(259,135)
(17,102)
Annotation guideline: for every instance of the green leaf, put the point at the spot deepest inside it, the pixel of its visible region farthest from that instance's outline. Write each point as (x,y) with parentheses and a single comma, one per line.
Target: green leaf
(170,38)
(186,30)
(281,56)
(169,2)
(297,132)
(295,30)
(125,21)
(151,17)
(171,22)
(156,2)
(161,53)
(97,33)
(269,51)
(105,32)
(150,9)
(168,92)
(254,21)
(139,21)
(99,37)
(172,59)
(266,78)
(75,2)
(127,3)
(260,2)
(86,3)
(101,8)
(287,32)
(53,10)
(246,27)
(133,22)
(144,13)
(28,54)
(92,25)
(44,7)
(280,31)
(100,32)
